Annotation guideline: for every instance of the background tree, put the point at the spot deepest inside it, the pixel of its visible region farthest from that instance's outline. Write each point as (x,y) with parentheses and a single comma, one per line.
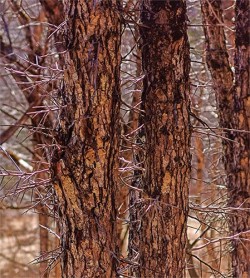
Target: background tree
(27,69)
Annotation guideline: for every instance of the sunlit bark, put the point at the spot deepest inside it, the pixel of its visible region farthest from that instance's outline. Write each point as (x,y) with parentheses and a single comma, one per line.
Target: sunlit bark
(85,164)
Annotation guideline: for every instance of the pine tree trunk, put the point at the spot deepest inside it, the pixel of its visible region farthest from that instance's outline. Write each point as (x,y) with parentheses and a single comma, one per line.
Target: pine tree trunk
(86,163)
(233,106)
(159,214)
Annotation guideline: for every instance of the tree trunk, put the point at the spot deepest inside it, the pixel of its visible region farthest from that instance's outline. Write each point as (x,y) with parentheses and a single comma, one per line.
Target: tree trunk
(239,163)
(85,164)
(233,106)
(217,58)
(159,214)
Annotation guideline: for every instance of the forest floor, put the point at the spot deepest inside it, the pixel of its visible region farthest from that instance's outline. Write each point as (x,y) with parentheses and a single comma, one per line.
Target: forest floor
(19,244)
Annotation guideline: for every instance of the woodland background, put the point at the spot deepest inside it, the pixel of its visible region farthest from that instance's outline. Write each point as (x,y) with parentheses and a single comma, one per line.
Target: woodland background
(29,237)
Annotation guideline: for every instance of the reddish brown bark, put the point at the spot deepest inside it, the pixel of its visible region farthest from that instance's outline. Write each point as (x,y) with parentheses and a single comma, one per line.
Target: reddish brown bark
(159,214)
(86,163)
(233,106)
(239,157)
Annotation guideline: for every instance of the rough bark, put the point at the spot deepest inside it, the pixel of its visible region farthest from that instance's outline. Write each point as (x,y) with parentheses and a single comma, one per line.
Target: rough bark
(85,164)
(159,214)
(217,57)
(233,106)
(239,163)
(228,16)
